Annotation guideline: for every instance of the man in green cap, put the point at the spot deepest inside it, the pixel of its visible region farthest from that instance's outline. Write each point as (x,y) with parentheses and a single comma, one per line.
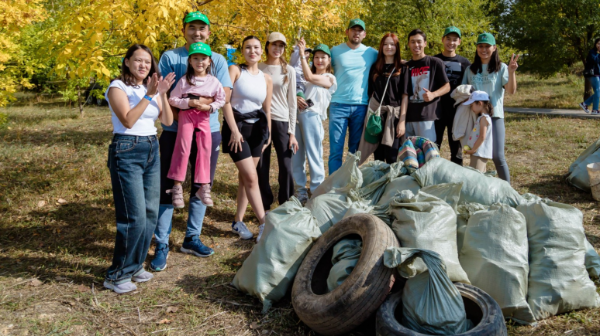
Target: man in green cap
(351,63)
(455,70)
(196,28)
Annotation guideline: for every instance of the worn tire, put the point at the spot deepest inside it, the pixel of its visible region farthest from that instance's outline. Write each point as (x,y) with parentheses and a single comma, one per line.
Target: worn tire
(479,306)
(359,296)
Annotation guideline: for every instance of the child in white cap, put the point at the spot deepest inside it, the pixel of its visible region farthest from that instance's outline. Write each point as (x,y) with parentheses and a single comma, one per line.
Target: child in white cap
(480,143)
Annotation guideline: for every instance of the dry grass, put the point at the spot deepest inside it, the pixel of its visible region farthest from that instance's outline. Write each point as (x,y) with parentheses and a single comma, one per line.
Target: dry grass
(48,153)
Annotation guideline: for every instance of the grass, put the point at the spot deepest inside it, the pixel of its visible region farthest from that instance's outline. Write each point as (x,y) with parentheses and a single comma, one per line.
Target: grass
(57,224)
(560,91)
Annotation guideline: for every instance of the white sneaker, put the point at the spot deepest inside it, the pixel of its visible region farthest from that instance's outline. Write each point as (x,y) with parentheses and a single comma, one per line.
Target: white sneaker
(584,107)
(595,112)
(261,228)
(241,229)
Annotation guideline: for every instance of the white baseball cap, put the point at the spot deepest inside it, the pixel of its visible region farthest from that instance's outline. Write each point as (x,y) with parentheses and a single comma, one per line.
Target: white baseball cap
(477,96)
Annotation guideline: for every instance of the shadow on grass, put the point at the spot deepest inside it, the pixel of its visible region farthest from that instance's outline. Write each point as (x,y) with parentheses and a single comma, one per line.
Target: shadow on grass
(37,138)
(556,188)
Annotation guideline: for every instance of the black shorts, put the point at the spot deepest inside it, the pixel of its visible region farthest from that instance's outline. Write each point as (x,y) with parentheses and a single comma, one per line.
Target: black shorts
(252,145)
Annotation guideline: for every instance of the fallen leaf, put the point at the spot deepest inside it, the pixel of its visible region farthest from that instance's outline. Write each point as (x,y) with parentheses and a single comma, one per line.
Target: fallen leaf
(62,201)
(35,283)
(254,325)
(172,310)
(237,264)
(164,321)
(41,204)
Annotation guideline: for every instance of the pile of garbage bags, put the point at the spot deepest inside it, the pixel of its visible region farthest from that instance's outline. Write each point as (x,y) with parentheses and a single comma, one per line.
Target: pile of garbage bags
(530,254)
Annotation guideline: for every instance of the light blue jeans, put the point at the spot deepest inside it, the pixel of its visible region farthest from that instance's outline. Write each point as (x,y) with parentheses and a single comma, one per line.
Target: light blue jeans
(310,135)
(341,117)
(595,98)
(196,213)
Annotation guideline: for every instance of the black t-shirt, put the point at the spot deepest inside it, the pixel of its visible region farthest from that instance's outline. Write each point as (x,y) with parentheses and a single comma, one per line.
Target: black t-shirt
(455,70)
(428,72)
(393,97)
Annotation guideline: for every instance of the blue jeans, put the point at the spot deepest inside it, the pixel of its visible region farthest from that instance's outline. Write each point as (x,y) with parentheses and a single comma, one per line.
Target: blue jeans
(342,116)
(134,166)
(309,134)
(595,98)
(197,209)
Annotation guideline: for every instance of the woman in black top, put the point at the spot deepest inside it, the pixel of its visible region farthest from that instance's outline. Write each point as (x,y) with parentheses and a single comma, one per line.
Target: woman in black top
(388,60)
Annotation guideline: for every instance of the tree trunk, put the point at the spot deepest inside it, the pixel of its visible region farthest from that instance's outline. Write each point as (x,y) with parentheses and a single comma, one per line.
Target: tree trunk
(79,103)
(587,91)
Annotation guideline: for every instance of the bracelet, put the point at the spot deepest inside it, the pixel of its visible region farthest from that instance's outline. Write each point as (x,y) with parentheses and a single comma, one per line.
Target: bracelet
(148,97)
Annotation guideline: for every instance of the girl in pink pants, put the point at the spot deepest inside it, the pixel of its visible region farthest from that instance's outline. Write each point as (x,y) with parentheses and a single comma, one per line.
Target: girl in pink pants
(198,82)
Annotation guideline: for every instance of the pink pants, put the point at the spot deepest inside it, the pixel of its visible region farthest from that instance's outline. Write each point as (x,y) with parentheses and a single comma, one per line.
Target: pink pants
(188,121)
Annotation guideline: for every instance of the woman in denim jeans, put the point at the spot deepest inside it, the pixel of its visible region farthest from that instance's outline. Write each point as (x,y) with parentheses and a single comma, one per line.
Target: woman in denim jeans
(136,99)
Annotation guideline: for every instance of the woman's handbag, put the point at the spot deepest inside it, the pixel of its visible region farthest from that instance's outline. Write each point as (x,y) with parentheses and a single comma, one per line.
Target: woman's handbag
(374,128)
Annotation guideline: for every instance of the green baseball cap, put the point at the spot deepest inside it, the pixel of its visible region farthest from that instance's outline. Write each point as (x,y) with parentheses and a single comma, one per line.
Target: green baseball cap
(322,47)
(200,48)
(486,38)
(357,22)
(196,16)
(452,29)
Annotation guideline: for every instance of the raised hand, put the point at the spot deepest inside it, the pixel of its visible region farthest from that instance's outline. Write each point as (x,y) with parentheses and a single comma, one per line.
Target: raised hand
(513,65)
(301,46)
(164,84)
(152,85)
(428,95)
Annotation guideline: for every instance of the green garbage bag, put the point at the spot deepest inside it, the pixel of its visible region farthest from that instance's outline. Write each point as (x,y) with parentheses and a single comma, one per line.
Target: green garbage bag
(373,171)
(345,256)
(447,192)
(328,209)
(558,279)
(358,205)
(269,270)
(477,188)
(495,256)
(431,304)
(592,260)
(578,175)
(346,178)
(463,213)
(426,222)
(374,191)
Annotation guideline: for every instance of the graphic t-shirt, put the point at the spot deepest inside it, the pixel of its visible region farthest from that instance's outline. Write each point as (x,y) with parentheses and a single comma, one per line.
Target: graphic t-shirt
(427,73)
(492,83)
(455,70)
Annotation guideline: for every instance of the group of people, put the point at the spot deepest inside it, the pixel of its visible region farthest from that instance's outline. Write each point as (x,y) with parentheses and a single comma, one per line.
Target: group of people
(276,104)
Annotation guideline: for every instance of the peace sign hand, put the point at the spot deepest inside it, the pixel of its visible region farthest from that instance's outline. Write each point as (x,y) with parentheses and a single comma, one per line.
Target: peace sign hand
(513,65)
(301,46)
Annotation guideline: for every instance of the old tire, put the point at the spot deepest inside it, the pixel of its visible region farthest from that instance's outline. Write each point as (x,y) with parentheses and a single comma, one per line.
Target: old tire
(359,296)
(481,309)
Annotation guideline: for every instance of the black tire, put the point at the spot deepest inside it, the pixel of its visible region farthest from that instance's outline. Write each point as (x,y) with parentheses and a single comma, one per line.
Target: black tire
(481,309)
(359,296)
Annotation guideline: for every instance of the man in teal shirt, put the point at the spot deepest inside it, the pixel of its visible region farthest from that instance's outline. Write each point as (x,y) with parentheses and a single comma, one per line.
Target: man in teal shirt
(351,63)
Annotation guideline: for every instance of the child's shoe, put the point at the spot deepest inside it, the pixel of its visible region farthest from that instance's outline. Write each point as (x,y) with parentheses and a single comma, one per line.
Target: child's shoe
(177,195)
(595,112)
(584,107)
(161,253)
(203,194)
(242,230)
(193,245)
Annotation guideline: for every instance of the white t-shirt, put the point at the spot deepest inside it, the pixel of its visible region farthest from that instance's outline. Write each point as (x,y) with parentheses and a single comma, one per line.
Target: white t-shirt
(320,96)
(144,126)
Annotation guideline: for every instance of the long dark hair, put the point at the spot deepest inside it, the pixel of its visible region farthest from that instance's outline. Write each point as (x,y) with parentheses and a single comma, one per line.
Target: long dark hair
(126,76)
(282,60)
(190,74)
(493,66)
(488,106)
(380,62)
(596,42)
(313,69)
(247,38)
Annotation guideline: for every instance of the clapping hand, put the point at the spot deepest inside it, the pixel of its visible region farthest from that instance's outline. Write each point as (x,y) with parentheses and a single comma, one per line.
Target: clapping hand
(513,65)
(164,84)
(152,85)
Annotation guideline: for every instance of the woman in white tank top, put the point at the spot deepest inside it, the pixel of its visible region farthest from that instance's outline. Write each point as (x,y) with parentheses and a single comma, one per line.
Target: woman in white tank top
(246,131)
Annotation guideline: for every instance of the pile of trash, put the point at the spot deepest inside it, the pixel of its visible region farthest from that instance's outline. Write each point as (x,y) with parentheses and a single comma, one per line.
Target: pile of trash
(584,173)
(529,254)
